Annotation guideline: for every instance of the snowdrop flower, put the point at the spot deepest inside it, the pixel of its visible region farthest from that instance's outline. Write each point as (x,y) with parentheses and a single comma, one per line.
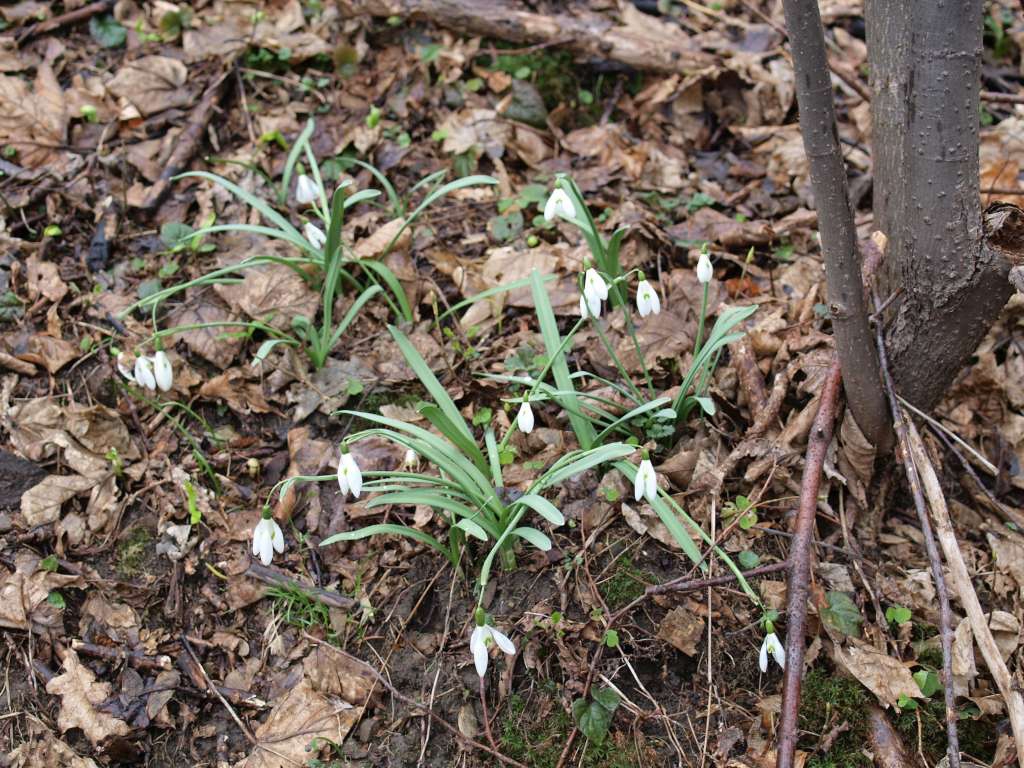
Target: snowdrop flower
(267,538)
(350,478)
(305,190)
(559,204)
(162,370)
(645,484)
(591,309)
(122,367)
(772,645)
(647,300)
(704,271)
(594,286)
(314,234)
(412,459)
(524,419)
(144,372)
(482,636)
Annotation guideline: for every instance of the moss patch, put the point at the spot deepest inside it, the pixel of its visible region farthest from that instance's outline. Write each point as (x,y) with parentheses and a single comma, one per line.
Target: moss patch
(535,733)
(625,584)
(132,551)
(826,701)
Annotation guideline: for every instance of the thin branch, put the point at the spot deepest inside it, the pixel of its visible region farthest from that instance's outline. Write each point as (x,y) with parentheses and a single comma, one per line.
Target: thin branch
(835,220)
(934,559)
(800,559)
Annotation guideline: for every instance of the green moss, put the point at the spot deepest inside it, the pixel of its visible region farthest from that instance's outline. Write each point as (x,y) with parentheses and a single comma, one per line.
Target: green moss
(131,552)
(826,700)
(625,585)
(538,740)
(977,737)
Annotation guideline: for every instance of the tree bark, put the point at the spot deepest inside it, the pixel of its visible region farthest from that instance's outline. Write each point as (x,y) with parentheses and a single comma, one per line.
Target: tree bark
(861,379)
(925,60)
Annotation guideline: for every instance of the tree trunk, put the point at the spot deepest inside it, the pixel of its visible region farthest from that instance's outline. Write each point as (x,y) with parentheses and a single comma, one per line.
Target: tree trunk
(925,59)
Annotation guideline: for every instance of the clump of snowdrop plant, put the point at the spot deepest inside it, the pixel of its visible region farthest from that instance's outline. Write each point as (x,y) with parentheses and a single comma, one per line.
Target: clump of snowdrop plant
(321,256)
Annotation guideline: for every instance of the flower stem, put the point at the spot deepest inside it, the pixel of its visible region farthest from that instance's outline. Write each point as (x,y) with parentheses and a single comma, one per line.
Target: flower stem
(618,363)
(699,341)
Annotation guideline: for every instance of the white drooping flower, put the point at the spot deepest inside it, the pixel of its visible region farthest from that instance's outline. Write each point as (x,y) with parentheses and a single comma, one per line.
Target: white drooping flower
(594,286)
(267,538)
(524,419)
(412,459)
(162,371)
(647,300)
(350,477)
(589,310)
(645,484)
(704,270)
(122,367)
(771,645)
(305,190)
(559,205)
(314,234)
(144,372)
(483,635)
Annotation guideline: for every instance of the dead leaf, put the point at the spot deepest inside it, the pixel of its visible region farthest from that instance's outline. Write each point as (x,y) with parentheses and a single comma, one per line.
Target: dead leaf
(274,294)
(215,344)
(81,696)
(34,119)
(44,750)
(52,353)
(884,676)
(299,717)
(41,504)
(151,84)
(235,389)
(682,629)
(372,247)
(338,675)
(44,279)
(23,594)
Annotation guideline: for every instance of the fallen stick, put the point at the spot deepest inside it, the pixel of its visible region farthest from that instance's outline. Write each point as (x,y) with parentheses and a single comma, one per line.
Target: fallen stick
(71,17)
(643,42)
(190,665)
(800,564)
(188,140)
(137,660)
(900,423)
(965,590)
(885,743)
(272,577)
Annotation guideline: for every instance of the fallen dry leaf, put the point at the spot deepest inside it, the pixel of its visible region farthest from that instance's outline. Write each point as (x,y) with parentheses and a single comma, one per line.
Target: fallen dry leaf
(23,594)
(682,629)
(81,696)
(151,84)
(884,676)
(299,717)
(40,505)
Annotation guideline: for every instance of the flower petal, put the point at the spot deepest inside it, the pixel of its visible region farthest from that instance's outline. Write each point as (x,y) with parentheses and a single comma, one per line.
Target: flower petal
(502,641)
(762,659)
(524,419)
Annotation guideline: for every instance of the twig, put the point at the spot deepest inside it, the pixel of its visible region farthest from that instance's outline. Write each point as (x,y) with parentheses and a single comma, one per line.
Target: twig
(213,689)
(800,563)
(71,17)
(188,140)
(835,217)
(138,660)
(885,742)
(1002,98)
(487,717)
(275,578)
(690,586)
(900,423)
(464,740)
(965,591)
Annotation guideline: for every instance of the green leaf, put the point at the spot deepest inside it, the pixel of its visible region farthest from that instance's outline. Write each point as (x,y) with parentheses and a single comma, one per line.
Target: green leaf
(897,614)
(49,563)
(394,530)
(904,702)
(472,529)
(842,614)
(56,599)
(174,233)
(585,432)
(594,717)
(749,559)
(542,507)
(107,31)
(535,537)
(928,682)
(611,638)
(438,393)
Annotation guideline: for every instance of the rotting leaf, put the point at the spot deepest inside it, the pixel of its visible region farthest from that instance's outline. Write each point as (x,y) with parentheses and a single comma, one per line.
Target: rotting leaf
(81,696)
(886,677)
(842,614)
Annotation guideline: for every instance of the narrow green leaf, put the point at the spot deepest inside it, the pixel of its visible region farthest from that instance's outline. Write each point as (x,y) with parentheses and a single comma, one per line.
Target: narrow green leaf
(472,528)
(542,507)
(393,530)
(535,537)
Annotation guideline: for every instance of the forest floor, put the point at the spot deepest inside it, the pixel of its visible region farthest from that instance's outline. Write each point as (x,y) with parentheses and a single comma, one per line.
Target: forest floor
(138,627)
